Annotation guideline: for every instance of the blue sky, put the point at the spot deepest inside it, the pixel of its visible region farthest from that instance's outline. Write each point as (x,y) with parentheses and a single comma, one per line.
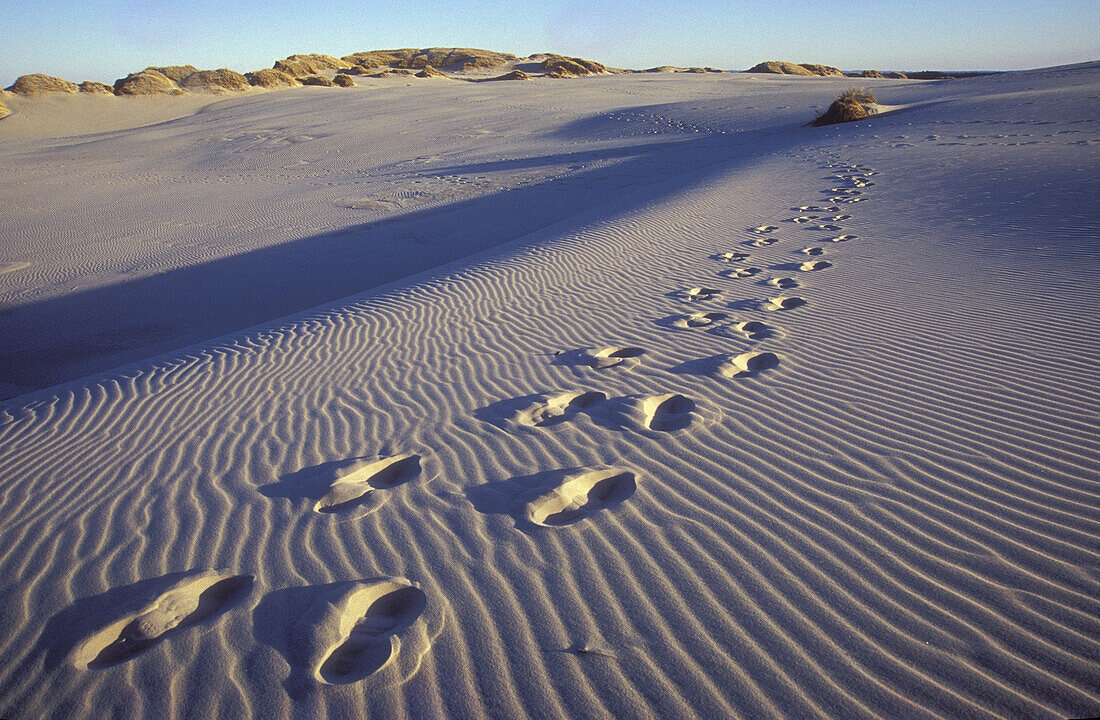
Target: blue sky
(104,40)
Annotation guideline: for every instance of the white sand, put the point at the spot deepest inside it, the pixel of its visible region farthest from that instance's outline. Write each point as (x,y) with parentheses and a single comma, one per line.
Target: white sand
(632,476)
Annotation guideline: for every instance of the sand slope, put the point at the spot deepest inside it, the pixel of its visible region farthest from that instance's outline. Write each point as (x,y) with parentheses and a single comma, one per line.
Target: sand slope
(576,463)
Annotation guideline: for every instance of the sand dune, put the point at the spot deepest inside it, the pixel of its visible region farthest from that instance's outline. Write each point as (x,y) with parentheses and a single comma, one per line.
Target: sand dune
(505,414)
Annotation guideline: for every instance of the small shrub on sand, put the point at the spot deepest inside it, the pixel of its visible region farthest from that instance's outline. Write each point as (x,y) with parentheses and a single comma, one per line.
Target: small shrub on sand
(850,106)
(343,80)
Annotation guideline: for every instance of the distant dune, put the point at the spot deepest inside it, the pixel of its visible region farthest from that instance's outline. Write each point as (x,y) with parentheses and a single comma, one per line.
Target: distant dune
(271,78)
(37,83)
(781,67)
(434,62)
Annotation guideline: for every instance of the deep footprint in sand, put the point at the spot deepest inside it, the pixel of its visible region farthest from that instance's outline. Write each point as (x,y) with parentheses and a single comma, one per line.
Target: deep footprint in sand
(747,364)
(702,293)
(354,630)
(784,283)
(828,228)
(558,408)
(753,330)
(740,272)
(784,303)
(814,265)
(802,219)
(842,238)
(665,413)
(579,496)
(699,319)
(812,251)
(763,242)
(815,208)
(357,486)
(732,257)
(764,229)
(610,357)
(188,602)
(838,218)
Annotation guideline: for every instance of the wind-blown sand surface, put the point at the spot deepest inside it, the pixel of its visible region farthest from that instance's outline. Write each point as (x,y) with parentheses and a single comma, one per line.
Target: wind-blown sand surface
(623,397)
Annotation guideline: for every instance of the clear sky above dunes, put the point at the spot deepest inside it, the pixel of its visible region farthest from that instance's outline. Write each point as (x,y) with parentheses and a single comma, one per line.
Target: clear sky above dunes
(104,40)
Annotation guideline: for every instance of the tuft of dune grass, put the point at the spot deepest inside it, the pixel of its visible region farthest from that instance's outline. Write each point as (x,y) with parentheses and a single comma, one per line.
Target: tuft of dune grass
(850,105)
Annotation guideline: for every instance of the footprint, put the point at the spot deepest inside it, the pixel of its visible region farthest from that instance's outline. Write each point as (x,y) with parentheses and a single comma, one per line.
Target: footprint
(197,597)
(804,219)
(839,218)
(702,293)
(812,251)
(611,356)
(814,265)
(814,208)
(842,238)
(747,364)
(740,272)
(854,200)
(356,485)
(844,191)
(753,330)
(732,257)
(763,242)
(580,495)
(783,282)
(699,319)
(665,413)
(828,228)
(558,408)
(7,267)
(354,631)
(764,229)
(784,303)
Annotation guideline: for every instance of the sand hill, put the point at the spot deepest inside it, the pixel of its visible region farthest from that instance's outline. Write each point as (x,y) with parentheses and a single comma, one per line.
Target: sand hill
(514,75)
(779,67)
(271,78)
(37,84)
(560,66)
(318,80)
(147,82)
(96,88)
(456,58)
(312,64)
(215,81)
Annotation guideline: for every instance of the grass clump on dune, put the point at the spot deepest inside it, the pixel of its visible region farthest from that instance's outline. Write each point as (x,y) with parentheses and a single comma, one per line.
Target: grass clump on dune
(850,105)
